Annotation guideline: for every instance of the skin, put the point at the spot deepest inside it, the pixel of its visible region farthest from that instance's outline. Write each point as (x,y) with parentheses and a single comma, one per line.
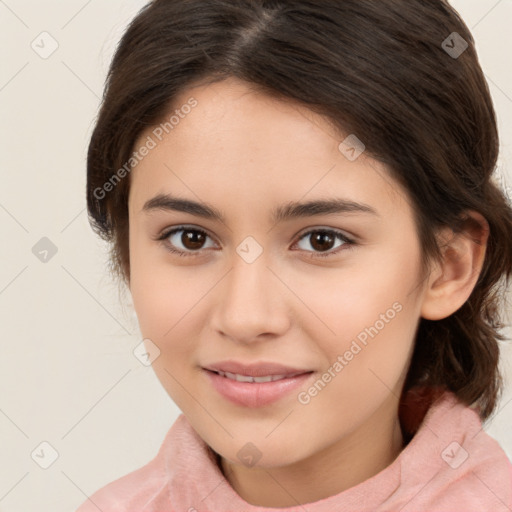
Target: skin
(245,153)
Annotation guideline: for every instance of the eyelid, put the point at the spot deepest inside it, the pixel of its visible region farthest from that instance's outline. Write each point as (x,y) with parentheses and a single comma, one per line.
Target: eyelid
(326,229)
(166,232)
(349,240)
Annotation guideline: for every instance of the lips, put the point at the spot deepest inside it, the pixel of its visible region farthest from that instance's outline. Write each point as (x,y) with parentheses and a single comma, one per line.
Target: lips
(246,378)
(262,369)
(256,384)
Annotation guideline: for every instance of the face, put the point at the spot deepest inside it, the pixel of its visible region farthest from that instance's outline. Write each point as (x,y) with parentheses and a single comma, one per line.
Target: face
(324,300)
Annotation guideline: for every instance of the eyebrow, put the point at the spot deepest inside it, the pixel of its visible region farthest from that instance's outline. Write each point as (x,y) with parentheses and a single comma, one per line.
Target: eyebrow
(292,210)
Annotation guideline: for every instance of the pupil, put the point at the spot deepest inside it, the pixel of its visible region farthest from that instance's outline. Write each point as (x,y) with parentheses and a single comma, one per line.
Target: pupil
(322,238)
(191,239)
(194,240)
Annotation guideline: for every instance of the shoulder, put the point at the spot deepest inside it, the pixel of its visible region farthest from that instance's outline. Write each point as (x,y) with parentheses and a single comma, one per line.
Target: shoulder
(453,464)
(139,488)
(130,492)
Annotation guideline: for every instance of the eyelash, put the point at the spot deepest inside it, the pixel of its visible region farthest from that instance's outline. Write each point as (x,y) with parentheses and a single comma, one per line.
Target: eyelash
(348,243)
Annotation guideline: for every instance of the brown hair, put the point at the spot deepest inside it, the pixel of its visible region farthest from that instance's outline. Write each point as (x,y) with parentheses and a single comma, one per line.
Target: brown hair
(379,70)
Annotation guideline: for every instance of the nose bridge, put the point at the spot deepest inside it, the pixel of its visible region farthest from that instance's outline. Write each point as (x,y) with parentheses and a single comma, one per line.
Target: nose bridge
(250,296)
(248,280)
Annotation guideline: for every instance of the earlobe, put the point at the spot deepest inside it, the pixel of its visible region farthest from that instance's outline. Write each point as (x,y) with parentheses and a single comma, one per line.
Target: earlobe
(453,279)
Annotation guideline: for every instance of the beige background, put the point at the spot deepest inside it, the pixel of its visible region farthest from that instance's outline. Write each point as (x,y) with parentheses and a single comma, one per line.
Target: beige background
(67,372)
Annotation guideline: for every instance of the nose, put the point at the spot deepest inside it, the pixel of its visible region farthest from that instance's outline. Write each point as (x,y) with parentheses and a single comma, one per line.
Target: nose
(251,303)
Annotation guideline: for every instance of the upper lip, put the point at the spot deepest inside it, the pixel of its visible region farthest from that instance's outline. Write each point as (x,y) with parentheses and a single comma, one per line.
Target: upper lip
(260,369)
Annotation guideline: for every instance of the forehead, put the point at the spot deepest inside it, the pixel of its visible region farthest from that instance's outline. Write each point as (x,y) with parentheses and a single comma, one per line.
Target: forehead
(237,143)
(233,115)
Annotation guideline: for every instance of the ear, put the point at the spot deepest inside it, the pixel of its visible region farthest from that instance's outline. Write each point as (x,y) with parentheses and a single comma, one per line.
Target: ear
(452,280)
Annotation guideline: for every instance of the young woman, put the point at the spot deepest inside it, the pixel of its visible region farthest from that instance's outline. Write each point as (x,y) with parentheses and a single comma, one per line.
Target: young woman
(300,198)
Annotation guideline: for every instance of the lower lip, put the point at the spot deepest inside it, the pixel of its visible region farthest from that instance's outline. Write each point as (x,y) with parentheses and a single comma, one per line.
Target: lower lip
(255,394)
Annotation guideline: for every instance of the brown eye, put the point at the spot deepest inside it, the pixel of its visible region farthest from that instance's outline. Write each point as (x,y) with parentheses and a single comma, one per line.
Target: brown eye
(323,240)
(192,239)
(189,243)
(186,241)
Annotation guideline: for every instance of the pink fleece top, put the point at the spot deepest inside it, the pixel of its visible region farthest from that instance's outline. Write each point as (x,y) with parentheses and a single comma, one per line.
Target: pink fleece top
(450,465)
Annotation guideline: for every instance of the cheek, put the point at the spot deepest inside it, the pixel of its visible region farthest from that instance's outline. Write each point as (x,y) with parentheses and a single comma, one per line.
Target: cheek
(367,359)
(160,296)
(369,317)
(168,302)
(165,309)
(349,299)
(166,305)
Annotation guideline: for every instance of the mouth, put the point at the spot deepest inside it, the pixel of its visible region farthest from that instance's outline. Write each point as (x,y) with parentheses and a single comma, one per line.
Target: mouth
(257,369)
(255,385)
(247,378)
